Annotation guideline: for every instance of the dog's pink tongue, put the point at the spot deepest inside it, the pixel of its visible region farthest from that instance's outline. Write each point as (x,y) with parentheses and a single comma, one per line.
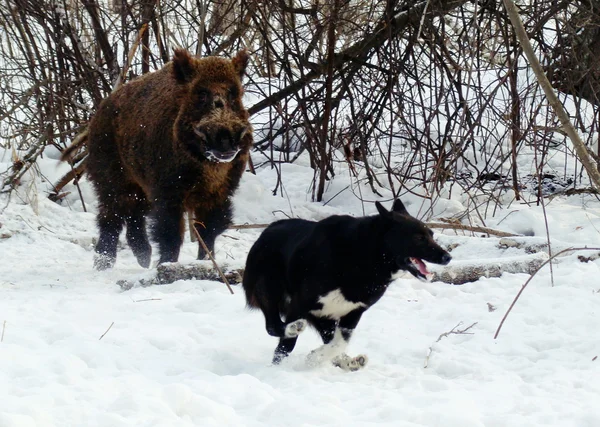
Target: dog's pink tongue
(421,266)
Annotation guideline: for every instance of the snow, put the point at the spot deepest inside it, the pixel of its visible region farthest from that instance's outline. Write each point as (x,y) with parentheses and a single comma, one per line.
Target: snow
(77,350)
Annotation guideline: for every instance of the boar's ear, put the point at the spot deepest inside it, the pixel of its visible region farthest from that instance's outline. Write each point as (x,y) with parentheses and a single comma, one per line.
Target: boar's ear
(382,211)
(183,66)
(240,62)
(399,207)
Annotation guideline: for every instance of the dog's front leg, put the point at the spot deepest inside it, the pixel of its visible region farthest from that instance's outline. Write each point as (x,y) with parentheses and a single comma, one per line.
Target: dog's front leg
(347,325)
(329,351)
(349,363)
(334,350)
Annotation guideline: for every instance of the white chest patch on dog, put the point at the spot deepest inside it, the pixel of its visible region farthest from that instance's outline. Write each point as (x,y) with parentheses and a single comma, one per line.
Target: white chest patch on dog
(335,306)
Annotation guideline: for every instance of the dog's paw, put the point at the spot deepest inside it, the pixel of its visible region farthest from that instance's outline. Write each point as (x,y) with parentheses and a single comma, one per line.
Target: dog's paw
(293,329)
(358,362)
(351,364)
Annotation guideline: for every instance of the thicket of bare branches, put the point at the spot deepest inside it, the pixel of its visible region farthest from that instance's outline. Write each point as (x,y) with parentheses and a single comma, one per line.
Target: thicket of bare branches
(414,95)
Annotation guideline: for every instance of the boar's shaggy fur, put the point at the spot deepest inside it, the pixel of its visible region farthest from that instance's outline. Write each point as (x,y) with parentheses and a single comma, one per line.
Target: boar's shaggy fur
(171,141)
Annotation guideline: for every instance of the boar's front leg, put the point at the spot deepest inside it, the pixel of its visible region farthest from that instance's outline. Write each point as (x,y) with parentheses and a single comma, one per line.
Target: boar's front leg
(138,239)
(168,228)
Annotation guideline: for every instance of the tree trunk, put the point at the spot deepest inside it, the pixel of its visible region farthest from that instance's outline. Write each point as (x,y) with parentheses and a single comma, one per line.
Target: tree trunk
(578,143)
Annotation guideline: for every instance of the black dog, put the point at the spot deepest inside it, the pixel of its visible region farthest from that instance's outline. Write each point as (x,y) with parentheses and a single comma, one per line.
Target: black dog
(328,273)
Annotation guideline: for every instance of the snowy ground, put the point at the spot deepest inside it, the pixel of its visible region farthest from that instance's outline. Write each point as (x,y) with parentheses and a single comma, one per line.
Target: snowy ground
(191,354)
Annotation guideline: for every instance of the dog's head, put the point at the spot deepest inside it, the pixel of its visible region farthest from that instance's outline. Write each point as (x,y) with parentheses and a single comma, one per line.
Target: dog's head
(408,242)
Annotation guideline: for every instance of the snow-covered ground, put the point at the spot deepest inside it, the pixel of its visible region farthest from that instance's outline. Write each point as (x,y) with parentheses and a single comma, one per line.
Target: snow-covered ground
(77,350)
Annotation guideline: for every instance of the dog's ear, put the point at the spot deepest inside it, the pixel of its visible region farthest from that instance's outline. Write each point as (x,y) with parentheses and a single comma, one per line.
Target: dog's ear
(382,211)
(399,207)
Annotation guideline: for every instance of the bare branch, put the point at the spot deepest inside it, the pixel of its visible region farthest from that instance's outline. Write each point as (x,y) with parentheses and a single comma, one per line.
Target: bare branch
(453,331)
(529,280)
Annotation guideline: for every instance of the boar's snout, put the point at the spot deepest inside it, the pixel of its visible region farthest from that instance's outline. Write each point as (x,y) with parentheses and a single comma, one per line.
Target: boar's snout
(218,102)
(221,143)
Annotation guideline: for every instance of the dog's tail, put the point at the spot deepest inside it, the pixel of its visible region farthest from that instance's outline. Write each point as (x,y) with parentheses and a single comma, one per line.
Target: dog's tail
(250,290)
(249,284)
(252,301)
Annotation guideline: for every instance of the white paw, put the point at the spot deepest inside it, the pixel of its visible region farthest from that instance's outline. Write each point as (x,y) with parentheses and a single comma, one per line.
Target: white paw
(352,364)
(292,330)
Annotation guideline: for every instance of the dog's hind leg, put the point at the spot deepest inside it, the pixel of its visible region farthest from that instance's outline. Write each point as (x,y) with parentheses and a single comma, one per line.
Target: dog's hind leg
(287,342)
(275,326)
(270,308)
(293,329)
(263,291)
(283,349)
(273,323)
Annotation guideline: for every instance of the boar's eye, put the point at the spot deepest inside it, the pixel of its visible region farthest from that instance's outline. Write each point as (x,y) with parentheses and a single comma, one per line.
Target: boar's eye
(202,96)
(233,94)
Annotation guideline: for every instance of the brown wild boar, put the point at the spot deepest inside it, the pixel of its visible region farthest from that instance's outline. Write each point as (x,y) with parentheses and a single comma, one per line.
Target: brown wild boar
(168,142)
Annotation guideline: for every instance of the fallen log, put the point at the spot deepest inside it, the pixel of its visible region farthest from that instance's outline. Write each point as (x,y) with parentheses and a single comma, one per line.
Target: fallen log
(458,273)
(461,272)
(174,271)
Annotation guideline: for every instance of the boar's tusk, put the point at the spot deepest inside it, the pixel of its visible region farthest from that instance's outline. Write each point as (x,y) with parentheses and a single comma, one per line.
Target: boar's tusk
(244,131)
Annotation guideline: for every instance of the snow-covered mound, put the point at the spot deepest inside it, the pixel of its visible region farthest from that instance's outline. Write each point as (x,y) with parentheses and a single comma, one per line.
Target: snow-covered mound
(76,350)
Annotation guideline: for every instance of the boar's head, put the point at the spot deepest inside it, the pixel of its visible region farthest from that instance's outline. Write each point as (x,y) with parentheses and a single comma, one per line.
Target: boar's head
(212,123)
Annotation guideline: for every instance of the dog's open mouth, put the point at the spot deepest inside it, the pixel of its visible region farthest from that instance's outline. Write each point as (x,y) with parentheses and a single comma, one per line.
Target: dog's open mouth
(418,268)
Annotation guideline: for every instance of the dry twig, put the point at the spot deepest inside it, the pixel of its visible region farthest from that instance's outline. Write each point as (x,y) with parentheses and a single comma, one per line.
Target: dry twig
(472,228)
(106,332)
(453,331)
(247,226)
(438,225)
(201,240)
